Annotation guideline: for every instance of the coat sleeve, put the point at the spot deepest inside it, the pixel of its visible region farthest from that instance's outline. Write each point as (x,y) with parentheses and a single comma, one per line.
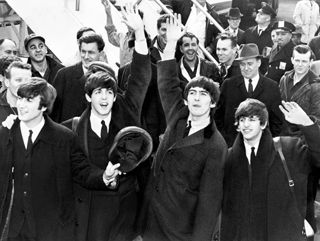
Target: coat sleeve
(138,82)
(276,117)
(312,137)
(59,83)
(210,194)
(169,88)
(315,102)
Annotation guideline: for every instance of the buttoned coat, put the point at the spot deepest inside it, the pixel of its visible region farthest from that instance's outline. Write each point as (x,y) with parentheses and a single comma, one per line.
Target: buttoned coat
(126,111)
(307,96)
(233,92)
(186,180)
(69,83)
(280,62)
(57,160)
(284,216)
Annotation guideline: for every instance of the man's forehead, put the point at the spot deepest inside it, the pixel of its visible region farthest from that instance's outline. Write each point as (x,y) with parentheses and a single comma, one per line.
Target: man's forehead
(188,39)
(89,46)
(198,88)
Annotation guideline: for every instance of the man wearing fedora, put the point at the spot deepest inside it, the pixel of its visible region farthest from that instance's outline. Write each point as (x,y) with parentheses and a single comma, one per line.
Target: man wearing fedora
(251,84)
(280,55)
(234,19)
(261,33)
(109,215)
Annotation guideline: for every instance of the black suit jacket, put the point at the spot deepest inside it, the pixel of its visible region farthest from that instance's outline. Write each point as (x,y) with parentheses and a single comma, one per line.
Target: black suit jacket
(233,92)
(70,100)
(57,160)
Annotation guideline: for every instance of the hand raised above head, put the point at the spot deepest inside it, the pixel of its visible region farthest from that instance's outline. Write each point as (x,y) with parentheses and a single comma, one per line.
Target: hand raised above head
(174,28)
(294,114)
(131,17)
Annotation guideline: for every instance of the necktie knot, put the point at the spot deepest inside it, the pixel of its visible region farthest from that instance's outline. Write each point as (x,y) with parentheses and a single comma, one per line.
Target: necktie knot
(223,70)
(104,130)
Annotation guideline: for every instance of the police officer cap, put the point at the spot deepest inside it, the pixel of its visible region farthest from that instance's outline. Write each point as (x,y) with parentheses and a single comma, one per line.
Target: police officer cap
(284,25)
(267,9)
(131,146)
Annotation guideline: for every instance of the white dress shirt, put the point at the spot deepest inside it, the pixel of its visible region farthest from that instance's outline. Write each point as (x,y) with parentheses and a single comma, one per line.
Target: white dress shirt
(35,131)
(254,82)
(96,125)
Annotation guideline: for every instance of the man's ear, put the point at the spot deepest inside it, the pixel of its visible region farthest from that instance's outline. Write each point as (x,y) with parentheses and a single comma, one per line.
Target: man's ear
(43,109)
(212,105)
(88,98)
(6,82)
(264,126)
(185,102)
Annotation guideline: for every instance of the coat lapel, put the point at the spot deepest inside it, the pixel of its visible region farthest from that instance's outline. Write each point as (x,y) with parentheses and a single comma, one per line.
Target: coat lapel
(242,87)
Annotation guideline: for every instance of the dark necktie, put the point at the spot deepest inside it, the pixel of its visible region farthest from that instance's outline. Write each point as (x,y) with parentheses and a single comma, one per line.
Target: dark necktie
(252,157)
(104,131)
(223,70)
(29,144)
(250,88)
(187,129)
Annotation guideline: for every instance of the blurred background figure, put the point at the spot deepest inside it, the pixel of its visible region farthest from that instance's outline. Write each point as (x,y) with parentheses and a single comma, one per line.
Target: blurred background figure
(306,15)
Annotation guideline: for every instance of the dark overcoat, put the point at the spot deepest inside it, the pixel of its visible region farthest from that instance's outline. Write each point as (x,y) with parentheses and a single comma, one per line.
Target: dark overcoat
(314,45)
(126,111)
(207,69)
(57,161)
(280,62)
(233,92)
(53,66)
(185,186)
(284,216)
(69,83)
(306,95)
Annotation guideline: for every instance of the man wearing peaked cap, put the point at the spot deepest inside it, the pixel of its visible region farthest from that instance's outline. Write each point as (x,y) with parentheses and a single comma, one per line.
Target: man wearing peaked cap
(261,33)
(234,18)
(251,84)
(280,55)
(42,65)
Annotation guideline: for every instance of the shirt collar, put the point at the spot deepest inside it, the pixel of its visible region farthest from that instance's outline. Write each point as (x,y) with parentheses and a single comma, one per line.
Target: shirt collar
(96,125)
(255,81)
(248,150)
(35,131)
(198,125)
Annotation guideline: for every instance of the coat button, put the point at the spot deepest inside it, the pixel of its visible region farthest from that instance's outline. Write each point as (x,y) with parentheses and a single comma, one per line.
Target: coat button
(25,193)
(26,174)
(80,200)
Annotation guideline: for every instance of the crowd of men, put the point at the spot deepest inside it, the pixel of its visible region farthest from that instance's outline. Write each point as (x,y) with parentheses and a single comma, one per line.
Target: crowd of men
(201,135)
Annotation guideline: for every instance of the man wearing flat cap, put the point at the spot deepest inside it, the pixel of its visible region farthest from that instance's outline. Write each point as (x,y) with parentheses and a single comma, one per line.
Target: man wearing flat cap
(261,33)
(42,65)
(109,215)
(280,55)
(234,18)
(251,84)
